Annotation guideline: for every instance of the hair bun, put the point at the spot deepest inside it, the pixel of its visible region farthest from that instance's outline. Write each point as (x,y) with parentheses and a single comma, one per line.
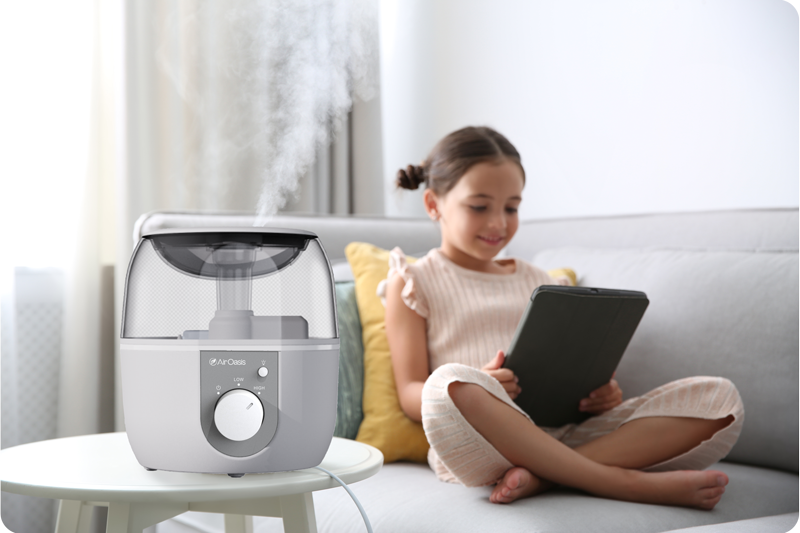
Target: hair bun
(411,177)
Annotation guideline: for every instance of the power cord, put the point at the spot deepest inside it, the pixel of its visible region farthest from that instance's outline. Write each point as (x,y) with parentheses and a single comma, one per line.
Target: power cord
(350,492)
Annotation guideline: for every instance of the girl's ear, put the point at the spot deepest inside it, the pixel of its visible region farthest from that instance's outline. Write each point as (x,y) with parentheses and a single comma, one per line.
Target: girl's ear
(431,204)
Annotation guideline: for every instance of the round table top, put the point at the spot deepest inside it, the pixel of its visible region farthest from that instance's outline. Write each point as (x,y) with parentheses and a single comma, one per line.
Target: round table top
(103,468)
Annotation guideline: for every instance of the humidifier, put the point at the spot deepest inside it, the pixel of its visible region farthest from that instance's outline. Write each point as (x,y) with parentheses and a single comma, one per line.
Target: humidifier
(229,351)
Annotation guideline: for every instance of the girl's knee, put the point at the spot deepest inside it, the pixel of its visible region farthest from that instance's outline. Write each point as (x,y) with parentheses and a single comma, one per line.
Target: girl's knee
(725,383)
(730,394)
(464,395)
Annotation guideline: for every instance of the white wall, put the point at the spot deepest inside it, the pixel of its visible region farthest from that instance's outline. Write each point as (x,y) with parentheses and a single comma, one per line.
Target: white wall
(617,106)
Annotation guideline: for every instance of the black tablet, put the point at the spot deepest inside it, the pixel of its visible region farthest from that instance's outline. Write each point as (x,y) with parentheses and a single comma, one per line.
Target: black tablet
(568,343)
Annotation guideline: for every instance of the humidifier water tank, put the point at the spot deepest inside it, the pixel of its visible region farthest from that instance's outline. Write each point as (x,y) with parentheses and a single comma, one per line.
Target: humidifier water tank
(229,351)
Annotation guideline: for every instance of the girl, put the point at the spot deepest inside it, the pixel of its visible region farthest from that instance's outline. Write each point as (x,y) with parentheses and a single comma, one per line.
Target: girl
(447,315)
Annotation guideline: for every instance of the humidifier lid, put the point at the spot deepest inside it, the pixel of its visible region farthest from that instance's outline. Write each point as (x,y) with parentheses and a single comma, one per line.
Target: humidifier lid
(237,229)
(215,253)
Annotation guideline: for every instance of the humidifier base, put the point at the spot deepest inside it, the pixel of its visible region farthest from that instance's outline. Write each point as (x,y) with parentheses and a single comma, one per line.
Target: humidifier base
(199,406)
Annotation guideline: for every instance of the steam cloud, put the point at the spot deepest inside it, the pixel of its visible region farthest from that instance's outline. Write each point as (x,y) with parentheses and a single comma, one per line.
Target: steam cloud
(267,83)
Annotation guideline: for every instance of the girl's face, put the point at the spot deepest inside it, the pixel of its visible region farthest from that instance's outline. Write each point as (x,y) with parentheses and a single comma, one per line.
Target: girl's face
(478,217)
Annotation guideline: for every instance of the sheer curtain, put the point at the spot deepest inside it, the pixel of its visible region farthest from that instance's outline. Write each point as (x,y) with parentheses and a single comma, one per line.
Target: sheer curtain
(86,394)
(57,210)
(231,105)
(56,284)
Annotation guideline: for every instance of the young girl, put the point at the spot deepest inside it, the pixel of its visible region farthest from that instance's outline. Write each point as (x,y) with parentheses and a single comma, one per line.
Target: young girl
(448,317)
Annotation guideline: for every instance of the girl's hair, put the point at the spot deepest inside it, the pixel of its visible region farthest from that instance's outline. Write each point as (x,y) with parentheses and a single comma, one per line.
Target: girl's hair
(453,156)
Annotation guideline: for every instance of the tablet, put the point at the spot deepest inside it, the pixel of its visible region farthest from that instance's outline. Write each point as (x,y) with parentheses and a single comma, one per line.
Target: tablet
(567,344)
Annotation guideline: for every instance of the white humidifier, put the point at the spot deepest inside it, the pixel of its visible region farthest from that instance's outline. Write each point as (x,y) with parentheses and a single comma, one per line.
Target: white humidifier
(229,351)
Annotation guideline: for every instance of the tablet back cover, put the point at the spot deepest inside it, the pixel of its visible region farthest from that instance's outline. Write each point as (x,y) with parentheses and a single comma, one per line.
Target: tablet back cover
(568,343)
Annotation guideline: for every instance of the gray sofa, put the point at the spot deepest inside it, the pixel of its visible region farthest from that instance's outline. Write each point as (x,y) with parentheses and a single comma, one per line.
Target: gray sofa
(723,288)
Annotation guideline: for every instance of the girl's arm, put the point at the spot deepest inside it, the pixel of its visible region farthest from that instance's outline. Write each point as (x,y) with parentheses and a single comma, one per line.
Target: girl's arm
(408,344)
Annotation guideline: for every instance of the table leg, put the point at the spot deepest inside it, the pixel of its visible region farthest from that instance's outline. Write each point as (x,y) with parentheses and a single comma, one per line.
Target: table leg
(74,517)
(298,513)
(237,523)
(134,517)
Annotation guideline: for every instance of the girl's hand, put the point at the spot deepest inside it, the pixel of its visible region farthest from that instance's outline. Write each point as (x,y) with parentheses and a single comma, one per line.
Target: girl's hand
(506,377)
(603,399)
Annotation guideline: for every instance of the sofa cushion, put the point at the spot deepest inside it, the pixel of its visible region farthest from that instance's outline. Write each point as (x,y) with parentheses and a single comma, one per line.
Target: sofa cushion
(406,497)
(351,362)
(731,314)
(384,426)
(341,271)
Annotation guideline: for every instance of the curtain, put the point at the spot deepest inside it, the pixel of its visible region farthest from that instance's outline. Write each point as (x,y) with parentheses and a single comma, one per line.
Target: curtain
(86,392)
(231,105)
(57,290)
(56,217)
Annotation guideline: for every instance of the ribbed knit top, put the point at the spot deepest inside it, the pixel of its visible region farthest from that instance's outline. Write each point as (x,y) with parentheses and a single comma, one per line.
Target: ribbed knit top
(469,314)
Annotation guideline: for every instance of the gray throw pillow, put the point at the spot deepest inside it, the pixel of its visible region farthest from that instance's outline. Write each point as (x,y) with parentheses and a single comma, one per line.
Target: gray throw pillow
(351,362)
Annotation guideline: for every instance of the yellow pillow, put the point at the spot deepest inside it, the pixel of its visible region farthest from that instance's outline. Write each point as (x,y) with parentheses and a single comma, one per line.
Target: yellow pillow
(566,273)
(385,425)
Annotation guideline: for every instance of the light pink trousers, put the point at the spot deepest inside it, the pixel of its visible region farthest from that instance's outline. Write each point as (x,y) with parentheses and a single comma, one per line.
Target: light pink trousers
(460,454)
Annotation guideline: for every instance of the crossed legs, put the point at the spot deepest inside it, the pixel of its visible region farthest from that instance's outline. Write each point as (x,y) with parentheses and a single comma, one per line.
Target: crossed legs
(605,466)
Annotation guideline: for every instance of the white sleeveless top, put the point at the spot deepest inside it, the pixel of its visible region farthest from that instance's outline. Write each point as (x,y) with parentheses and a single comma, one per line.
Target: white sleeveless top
(470,315)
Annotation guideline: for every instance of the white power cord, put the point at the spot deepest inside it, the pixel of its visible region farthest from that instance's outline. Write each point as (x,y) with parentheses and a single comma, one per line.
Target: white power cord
(350,492)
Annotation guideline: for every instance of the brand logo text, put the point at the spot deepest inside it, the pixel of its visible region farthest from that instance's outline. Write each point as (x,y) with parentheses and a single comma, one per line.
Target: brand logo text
(223,362)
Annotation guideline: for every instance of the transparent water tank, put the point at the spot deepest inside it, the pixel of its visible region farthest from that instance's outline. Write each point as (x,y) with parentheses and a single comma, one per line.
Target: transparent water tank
(235,284)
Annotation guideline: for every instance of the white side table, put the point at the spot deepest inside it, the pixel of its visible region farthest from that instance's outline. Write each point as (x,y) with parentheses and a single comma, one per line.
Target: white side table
(101,470)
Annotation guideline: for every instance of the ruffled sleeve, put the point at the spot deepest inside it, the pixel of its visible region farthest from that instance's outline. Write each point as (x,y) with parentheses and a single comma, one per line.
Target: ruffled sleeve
(411,294)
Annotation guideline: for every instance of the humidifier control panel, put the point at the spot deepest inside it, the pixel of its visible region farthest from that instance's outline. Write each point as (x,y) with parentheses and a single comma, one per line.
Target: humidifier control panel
(239,400)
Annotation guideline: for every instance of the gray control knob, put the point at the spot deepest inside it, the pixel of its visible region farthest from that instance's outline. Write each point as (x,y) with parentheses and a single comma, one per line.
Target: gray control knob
(238,415)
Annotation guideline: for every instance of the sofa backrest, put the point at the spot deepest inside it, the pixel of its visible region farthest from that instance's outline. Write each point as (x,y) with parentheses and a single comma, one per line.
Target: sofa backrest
(723,290)
(751,229)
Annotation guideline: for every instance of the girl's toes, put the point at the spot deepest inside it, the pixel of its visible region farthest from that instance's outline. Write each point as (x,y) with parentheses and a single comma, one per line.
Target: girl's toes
(517,483)
(710,503)
(710,497)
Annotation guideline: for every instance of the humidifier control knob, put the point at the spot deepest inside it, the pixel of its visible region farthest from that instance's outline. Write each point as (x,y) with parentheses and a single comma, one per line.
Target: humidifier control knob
(238,415)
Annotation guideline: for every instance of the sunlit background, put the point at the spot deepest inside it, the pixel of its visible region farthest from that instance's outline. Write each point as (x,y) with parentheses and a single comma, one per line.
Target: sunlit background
(46,110)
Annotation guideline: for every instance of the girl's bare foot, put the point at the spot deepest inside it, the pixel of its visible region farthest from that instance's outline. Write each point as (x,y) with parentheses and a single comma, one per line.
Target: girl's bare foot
(688,488)
(702,489)
(518,483)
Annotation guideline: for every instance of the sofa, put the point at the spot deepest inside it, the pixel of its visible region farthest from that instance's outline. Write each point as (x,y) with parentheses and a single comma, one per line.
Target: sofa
(723,290)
